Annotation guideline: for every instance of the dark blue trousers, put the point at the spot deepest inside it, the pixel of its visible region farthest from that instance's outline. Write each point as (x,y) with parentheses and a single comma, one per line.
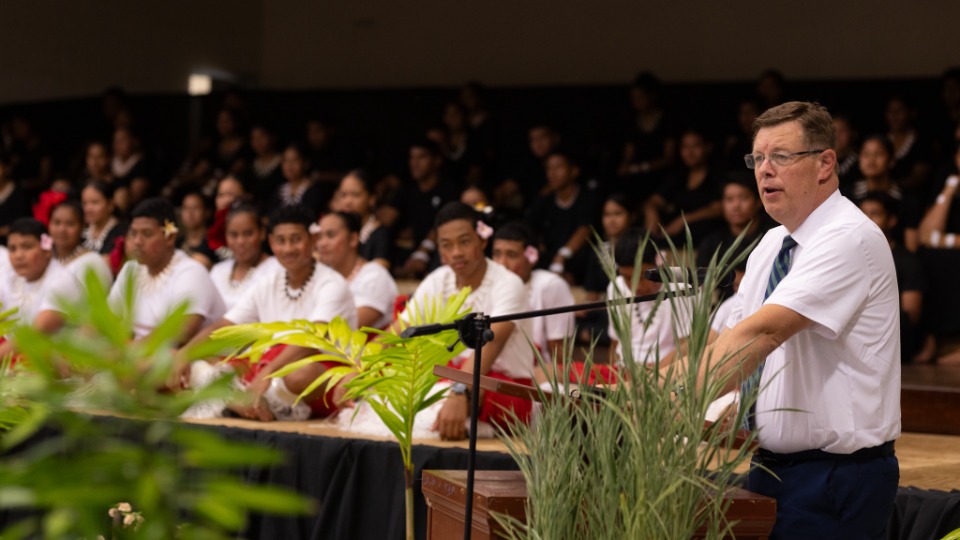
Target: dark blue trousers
(829,499)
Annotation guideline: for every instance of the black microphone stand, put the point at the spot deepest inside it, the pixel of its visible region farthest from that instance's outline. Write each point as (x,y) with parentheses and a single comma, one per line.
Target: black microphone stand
(474,331)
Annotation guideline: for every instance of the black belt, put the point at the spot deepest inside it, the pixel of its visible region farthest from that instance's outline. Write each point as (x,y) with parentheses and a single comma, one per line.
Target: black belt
(772,458)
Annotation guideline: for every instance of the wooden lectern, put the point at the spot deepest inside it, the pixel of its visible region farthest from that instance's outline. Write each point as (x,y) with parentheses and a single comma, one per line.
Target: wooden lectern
(505,492)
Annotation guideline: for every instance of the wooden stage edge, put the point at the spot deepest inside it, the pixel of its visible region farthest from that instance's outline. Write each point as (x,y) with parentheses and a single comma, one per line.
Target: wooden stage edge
(927,461)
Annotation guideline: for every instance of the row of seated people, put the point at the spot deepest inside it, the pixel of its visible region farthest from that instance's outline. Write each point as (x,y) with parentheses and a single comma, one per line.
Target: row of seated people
(293,285)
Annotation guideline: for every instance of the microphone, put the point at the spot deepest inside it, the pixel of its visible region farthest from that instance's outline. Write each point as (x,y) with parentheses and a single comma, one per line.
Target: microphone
(679,274)
(422,330)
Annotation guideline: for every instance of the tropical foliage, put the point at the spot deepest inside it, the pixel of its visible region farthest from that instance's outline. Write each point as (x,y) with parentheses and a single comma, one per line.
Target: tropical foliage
(637,460)
(393,374)
(87,428)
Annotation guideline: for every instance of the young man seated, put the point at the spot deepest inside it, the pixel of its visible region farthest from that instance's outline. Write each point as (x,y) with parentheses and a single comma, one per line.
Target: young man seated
(515,247)
(301,289)
(33,281)
(651,326)
(163,276)
(461,239)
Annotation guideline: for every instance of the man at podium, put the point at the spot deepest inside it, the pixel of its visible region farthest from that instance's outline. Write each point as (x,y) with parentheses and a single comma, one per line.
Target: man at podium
(815,322)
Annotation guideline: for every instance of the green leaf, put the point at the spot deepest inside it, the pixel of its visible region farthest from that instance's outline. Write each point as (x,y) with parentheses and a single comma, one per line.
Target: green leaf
(219,512)
(262,498)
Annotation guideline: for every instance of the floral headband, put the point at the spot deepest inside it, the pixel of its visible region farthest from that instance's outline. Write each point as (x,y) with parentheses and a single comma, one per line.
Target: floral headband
(483,230)
(169,228)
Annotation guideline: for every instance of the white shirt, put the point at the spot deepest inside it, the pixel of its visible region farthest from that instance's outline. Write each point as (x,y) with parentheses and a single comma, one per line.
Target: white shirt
(91,260)
(651,325)
(501,292)
(184,280)
(232,292)
(548,290)
(842,374)
(323,298)
(719,323)
(44,294)
(4,261)
(373,287)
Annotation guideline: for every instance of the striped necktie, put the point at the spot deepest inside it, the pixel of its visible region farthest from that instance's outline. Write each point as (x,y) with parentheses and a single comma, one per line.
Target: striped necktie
(781,265)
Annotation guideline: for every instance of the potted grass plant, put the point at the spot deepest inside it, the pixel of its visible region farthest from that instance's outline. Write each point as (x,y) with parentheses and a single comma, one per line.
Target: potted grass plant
(393,374)
(637,461)
(100,453)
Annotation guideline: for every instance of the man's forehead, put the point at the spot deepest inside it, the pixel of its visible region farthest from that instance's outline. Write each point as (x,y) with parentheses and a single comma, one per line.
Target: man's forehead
(144,223)
(454,229)
(780,135)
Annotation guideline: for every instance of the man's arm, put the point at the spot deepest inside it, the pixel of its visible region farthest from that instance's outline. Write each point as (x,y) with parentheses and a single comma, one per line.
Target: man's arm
(453,415)
(750,342)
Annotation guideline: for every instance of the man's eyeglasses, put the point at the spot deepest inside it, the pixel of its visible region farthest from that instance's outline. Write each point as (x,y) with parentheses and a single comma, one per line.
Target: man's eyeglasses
(780,159)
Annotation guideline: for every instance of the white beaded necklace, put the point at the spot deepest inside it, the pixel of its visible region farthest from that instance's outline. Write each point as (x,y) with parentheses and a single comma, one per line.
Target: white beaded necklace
(147,283)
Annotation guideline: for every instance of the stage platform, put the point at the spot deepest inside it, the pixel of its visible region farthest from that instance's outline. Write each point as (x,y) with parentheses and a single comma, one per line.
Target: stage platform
(358,476)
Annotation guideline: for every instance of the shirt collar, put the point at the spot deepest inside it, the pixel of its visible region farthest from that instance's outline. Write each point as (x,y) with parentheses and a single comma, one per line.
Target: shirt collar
(807,230)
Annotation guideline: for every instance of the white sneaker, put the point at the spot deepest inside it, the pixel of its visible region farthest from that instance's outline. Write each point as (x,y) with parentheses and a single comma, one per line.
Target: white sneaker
(202,374)
(281,402)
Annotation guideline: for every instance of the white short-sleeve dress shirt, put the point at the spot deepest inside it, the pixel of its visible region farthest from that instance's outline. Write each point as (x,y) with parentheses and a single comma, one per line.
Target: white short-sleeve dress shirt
(841,376)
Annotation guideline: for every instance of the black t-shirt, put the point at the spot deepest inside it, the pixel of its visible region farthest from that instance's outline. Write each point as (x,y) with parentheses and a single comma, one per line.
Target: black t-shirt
(681,199)
(720,241)
(315,197)
(556,225)
(378,245)
(203,248)
(419,208)
(14,207)
(909,270)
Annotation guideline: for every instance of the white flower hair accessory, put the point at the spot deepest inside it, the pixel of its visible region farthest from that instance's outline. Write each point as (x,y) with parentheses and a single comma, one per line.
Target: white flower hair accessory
(483,230)
(170,228)
(531,254)
(46,243)
(314,228)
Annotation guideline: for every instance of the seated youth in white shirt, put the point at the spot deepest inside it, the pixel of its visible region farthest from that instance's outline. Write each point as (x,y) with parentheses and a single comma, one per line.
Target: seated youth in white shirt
(66,229)
(374,290)
(300,289)
(34,282)
(245,234)
(651,325)
(164,277)
(461,239)
(514,246)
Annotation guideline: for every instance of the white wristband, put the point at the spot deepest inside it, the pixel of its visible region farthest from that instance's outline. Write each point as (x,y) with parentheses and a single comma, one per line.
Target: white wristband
(935,239)
(949,240)
(565,252)
(556,268)
(428,244)
(420,256)
(953,181)
(941,198)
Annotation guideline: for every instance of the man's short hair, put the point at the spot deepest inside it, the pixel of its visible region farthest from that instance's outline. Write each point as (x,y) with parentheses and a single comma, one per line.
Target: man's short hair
(626,247)
(566,153)
(889,204)
(516,231)
(27,226)
(745,181)
(292,214)
(157,208)
(428,145)
(882,140)
(815,121)
(455,210)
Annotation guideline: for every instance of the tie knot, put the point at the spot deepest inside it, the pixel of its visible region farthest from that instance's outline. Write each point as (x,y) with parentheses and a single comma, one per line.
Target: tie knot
(788,243)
